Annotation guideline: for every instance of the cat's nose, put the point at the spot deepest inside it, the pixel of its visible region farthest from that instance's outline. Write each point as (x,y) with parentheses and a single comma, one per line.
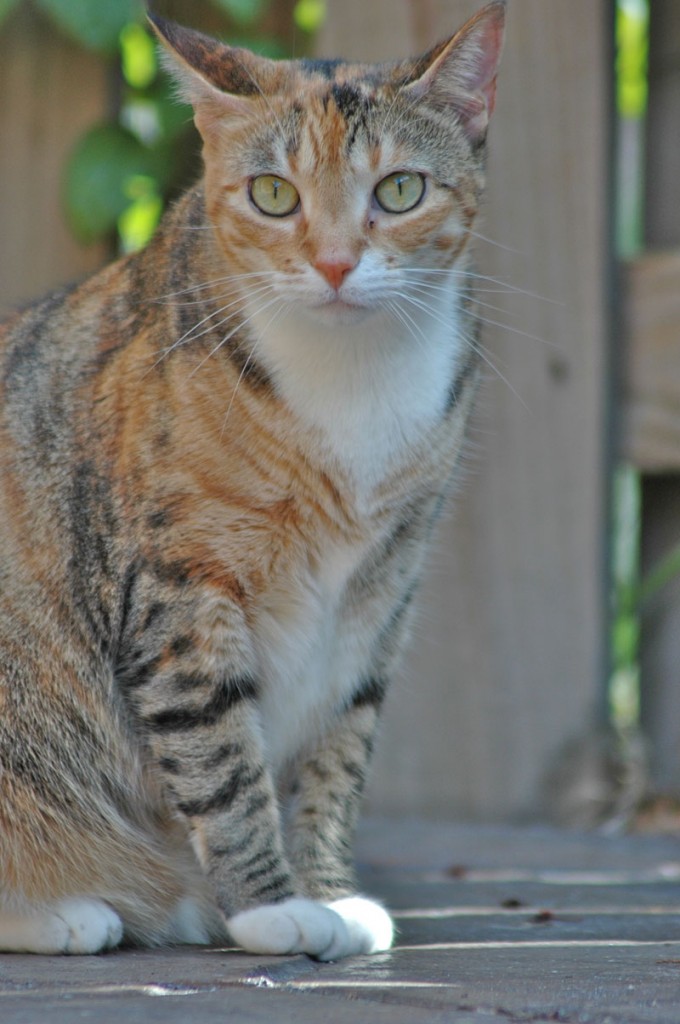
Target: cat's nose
(334,270)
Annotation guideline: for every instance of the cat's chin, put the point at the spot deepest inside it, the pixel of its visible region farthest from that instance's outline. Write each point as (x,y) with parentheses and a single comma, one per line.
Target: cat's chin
(338,312)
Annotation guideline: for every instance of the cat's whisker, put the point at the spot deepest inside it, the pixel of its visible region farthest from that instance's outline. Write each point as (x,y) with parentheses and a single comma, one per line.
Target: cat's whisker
(239,326)
(248,360)
(236,290)
(483,354)
(411,325)
(215,281)
(426,308)
(473,343)
(425,288)
(167,352)
(203,300)
(191,334)
(458,272)
(496,245)
(555,345)
(393,308)
(504,286)
(244,369)
(405,318)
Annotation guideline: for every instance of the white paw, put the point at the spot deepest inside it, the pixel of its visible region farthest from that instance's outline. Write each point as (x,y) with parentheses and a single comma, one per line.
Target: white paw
(369,925)
(71,926)
(293,926)
(86,926)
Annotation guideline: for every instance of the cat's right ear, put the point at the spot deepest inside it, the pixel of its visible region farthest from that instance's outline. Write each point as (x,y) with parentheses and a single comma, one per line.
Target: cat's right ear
(460,74)
(217,80)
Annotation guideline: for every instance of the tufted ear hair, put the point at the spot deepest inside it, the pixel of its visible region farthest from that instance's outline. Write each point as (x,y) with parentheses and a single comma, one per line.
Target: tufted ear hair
(460,73)
(216,79)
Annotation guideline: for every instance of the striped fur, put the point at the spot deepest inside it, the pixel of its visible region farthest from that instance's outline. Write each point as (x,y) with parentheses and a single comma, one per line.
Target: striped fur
(221,460)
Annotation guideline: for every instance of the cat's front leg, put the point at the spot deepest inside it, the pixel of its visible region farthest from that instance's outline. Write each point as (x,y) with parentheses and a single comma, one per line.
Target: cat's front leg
(216,772)
(200,717)
(330,780)
(330,783)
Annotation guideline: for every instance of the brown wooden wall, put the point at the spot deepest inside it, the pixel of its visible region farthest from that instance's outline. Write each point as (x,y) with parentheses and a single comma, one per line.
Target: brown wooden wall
(52,91)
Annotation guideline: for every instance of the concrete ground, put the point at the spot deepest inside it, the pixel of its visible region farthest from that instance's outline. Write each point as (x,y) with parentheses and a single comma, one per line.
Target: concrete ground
(495,925)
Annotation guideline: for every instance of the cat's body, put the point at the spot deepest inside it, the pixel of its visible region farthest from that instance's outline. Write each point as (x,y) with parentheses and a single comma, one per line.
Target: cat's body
(220,461)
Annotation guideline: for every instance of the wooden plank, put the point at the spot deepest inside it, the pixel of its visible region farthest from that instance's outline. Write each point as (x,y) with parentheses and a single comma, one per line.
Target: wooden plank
(491,944)
(650,436)
(508,661)
(52,92)
(660,653)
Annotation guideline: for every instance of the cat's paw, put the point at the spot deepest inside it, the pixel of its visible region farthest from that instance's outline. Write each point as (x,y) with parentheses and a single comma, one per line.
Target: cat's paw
(325,931)
(369,925)
(71,926)
(293,926)
(85,926)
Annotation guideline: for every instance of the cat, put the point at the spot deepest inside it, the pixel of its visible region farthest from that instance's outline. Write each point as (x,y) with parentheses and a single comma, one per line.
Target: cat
(221,460)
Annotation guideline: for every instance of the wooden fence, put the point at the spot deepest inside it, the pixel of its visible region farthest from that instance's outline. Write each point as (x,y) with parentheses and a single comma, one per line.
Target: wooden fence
(509,661)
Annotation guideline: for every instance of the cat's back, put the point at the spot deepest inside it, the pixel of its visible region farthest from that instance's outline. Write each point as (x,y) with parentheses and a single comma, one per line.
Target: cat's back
(48,356)
(47,350)
(62,353)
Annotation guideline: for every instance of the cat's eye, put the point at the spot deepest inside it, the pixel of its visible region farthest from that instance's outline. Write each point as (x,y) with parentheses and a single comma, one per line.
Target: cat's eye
(400,191)
(273,195)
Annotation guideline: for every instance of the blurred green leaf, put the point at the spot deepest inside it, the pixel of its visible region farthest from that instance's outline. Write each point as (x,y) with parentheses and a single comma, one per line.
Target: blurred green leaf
(139,220)
(6,6)
(96,188)
(243,12)
(96,24)
(309,15)
(632,26)
(626,635)
(138,56)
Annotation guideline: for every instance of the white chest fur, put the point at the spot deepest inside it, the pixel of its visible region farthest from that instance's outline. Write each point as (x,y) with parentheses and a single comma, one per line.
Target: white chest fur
(311,651)
(372,389)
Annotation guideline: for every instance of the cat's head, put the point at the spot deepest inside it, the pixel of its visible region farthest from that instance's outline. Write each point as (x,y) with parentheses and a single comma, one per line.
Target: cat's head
(334,181)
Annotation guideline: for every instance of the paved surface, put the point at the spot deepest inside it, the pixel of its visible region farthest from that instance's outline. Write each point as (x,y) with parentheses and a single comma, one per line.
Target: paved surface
(496,926)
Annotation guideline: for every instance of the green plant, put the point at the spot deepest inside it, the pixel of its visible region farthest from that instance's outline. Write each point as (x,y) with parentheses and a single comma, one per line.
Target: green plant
(632,26)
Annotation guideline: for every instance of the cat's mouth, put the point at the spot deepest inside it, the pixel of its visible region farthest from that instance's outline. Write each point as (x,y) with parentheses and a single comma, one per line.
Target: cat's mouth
(340,310)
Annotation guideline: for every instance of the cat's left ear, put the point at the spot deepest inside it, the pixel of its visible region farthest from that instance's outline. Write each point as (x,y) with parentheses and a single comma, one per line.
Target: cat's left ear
(460,74)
